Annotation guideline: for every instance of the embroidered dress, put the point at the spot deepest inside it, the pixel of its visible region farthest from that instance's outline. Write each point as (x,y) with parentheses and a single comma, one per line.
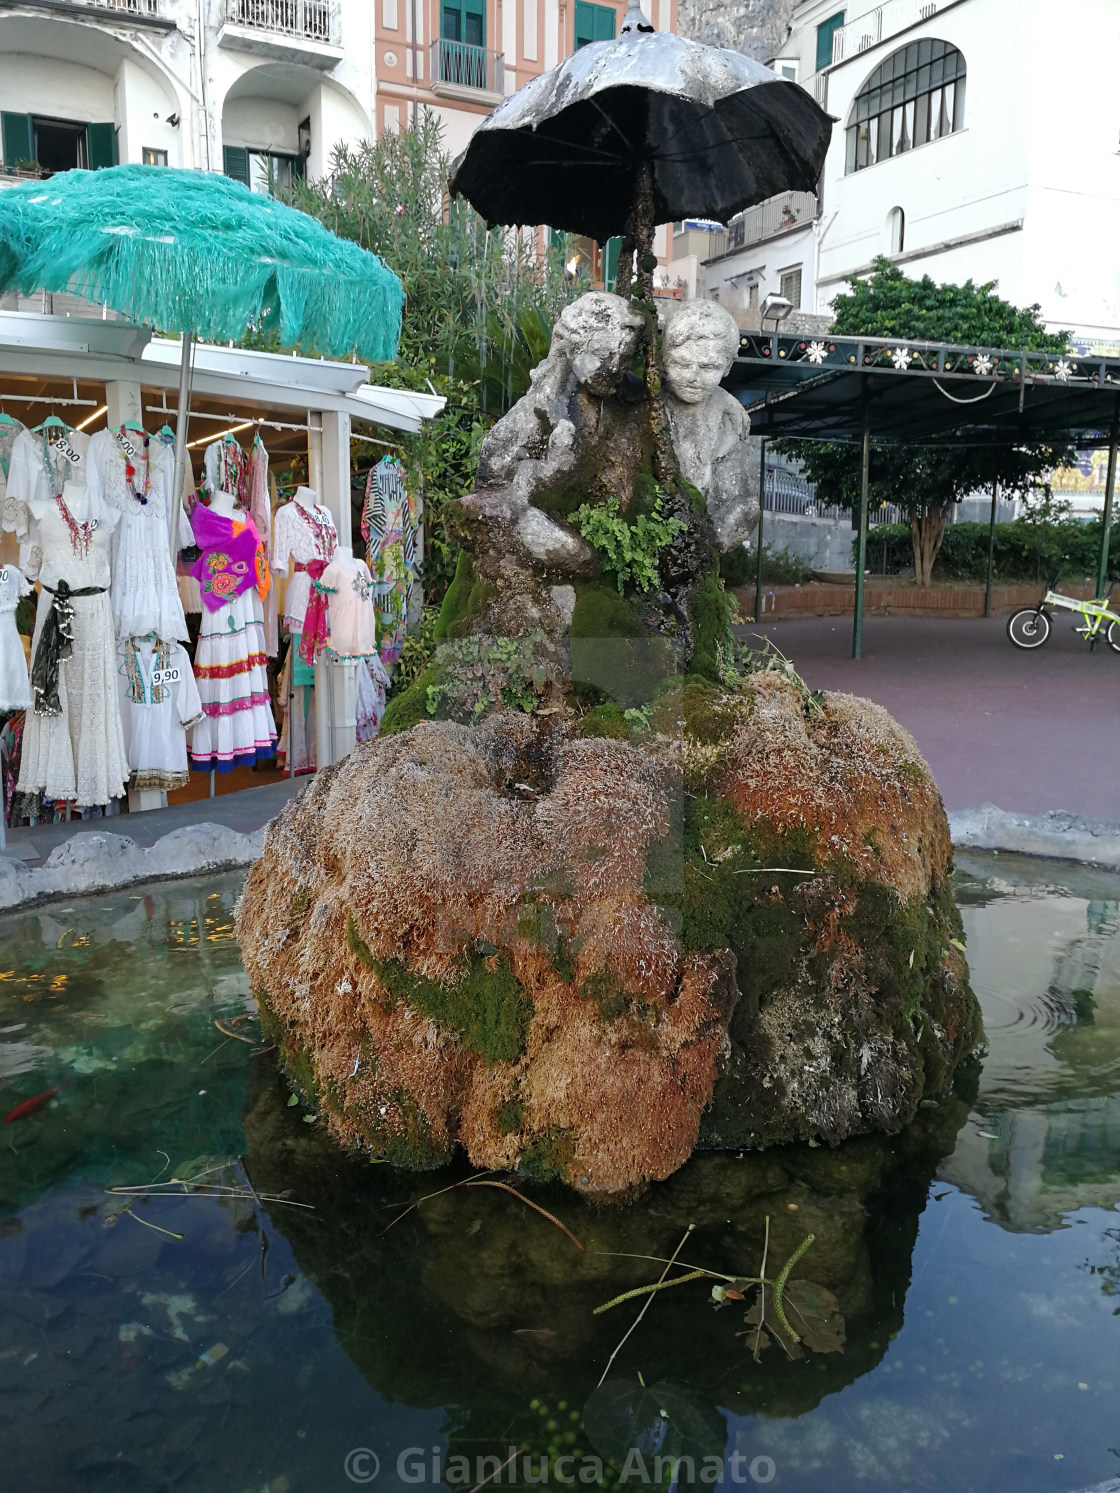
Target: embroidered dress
(230,665)
(15,693)
(300,536)
(353,623)
(226,469)
(41,461)
(159,703)
(260,511)
(389,527)
(373,686)
(137,477)
(9,429)
(77,754)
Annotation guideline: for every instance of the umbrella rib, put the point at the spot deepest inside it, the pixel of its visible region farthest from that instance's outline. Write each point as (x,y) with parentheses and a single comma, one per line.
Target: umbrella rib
(613,123)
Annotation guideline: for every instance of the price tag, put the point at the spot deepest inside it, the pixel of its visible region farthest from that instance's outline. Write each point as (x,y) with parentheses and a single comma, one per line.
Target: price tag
(64,449)
(126,446)
(166,676)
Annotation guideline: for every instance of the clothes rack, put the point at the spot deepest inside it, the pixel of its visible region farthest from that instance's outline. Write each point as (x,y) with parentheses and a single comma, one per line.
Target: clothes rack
(243,419)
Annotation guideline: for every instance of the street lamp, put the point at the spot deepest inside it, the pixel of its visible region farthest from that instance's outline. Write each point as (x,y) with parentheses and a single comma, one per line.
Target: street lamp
(775,308)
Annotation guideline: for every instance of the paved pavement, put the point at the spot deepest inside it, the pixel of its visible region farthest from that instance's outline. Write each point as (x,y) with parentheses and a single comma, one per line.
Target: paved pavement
(244,811)
(1029,732)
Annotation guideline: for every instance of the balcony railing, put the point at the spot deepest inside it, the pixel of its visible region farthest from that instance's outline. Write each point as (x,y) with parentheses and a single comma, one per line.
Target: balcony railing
(881,24)
(129,7)
(312,20)
(460,65)
(775,215)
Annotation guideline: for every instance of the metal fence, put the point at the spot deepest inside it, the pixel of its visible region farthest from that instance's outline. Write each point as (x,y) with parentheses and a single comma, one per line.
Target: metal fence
(877,25)
(130,7)
(467,66)
(314,20)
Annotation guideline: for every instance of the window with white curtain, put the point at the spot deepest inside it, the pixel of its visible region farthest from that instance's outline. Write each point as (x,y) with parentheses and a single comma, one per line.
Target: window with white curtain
(916,96)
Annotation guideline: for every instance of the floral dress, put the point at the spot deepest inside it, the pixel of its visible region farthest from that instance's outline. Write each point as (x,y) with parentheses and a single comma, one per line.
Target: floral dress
(389,528)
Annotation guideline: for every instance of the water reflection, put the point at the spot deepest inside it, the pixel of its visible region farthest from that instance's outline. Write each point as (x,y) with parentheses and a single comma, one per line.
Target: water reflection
(169,1342)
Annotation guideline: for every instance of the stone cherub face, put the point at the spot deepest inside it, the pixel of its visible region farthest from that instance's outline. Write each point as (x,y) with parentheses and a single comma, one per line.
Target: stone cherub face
(699,347)
(598,334)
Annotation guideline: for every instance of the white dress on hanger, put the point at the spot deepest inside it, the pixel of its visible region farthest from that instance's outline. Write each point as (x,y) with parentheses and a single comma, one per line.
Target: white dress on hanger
(15,692)
(300,536)
(79,754)
(37,470)
(9,430)
(159,703)
(144,595)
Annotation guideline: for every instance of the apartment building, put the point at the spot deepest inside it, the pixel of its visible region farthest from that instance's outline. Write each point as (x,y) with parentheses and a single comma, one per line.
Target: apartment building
(958,152)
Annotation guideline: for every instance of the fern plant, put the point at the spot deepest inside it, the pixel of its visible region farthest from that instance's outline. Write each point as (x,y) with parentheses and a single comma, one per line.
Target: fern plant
(632,551)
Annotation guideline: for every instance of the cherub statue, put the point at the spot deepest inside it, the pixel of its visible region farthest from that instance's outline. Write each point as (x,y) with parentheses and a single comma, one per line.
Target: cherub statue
(577,436)
(709,427)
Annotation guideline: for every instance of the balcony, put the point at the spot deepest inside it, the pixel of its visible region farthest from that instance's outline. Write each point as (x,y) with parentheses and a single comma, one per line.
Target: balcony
(146,13)
(880,25)
(775,216)
(307,31)
(470,74)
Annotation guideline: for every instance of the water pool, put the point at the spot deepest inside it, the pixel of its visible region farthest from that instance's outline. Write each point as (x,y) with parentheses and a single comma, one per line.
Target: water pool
(158,1340)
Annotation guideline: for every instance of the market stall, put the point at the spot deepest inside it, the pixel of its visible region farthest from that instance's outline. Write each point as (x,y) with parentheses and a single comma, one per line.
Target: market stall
(94,399)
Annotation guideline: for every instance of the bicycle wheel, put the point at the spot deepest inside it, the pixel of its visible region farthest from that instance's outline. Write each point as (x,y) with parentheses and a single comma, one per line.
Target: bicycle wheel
(1113,636)
(1029,628)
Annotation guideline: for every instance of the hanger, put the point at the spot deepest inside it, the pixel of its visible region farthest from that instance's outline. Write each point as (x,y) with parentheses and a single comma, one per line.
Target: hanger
(165,433)
(52,422)
(6,419)
(133,425)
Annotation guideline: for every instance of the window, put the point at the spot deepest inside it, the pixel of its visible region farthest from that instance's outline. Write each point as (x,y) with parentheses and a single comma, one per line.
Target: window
(261,170)
(154,157)
(916,96)
(790,286)
(465,21)
(56,144)
(594,23)
(825,32)
(896,231)
(786,70)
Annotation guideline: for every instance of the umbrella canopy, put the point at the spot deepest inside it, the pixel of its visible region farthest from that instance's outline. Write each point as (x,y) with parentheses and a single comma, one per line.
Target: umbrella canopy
(718,130)
(197,253)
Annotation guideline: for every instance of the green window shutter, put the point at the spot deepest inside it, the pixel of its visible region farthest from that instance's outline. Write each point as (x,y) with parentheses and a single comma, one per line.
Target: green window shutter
(465,21)
(594,23)
(15,136)
(611,251)
(825,32)
(299,168)
(236,162)
(101,145)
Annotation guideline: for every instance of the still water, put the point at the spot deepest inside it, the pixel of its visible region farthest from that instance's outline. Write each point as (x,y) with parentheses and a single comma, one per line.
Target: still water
(190,1338)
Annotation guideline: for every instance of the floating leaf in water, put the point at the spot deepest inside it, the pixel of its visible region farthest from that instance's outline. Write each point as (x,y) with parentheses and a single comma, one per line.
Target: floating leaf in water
(662,1420)
(293,1100)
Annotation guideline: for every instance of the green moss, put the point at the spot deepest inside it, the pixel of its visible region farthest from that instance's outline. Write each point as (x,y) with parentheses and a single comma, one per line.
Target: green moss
(411,706)
(562,961)
(605,720)
(611,648)
(710,627)
(913,773)
(488,1009)
(298,904)
(608,995)
(549,1157)
(357,945)
(509,1115)
(464,602)
(704,713)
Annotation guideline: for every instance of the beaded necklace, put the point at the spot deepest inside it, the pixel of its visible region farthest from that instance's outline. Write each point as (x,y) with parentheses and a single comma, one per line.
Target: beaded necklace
(128,456)
(80,533)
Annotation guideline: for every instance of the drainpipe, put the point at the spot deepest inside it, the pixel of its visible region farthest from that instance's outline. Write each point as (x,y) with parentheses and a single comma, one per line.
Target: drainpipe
(415,72)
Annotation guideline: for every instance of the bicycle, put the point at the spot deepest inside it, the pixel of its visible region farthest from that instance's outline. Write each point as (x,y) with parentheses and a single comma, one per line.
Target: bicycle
(1031,627)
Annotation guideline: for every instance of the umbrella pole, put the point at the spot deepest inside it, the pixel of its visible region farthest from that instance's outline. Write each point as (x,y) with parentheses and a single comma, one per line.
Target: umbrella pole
(182,423)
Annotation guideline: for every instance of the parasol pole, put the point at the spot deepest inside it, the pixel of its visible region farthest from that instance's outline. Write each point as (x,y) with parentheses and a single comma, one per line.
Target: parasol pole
(182,424)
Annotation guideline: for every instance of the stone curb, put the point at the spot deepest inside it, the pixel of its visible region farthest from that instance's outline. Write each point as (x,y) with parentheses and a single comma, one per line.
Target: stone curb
(1053,836)
(97,861)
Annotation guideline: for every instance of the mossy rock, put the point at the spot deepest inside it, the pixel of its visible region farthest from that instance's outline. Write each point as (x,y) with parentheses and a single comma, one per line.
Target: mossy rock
(612,650)
(464,602)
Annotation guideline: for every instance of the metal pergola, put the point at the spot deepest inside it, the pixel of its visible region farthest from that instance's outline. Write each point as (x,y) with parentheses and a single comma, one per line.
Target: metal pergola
(849,390)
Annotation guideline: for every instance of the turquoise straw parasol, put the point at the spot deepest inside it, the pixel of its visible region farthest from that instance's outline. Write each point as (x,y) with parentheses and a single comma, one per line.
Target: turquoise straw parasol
(199,254)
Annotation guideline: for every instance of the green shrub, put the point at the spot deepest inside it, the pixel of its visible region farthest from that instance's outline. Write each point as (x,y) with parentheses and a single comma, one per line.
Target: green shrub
(738,567)
(1024,551)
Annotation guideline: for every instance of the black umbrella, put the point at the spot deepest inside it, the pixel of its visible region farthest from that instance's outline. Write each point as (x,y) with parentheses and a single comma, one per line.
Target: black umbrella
(711,131)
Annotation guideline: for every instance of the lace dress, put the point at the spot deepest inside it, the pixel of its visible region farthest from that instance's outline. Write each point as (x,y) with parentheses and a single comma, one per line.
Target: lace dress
(9,429)
(79,754)
(237,726)
(144,595)
(41,461)
(301,537)
(159,704)
(15,693)
(353,623)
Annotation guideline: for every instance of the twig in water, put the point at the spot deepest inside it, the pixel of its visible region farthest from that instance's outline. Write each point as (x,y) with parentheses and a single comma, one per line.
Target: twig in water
(219,1047)
(261,1235)
(497,1472)
(762,1292)
(641,1314)
(171,1234)
(225,1031)
(428,1197)
(544,1213)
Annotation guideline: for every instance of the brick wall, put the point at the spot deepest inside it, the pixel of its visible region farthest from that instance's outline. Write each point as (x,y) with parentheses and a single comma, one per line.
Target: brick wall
(892,599)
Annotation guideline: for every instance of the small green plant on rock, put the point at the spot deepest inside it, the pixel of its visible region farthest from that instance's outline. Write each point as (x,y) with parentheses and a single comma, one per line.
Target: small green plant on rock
(476,674)
(632,551)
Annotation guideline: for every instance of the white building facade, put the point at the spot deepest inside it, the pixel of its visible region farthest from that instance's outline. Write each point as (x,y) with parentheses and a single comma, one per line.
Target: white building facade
(251,87)
(974,139)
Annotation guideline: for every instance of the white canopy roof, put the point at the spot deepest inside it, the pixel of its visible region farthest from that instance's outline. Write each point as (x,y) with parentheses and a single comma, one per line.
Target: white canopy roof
(73,347)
